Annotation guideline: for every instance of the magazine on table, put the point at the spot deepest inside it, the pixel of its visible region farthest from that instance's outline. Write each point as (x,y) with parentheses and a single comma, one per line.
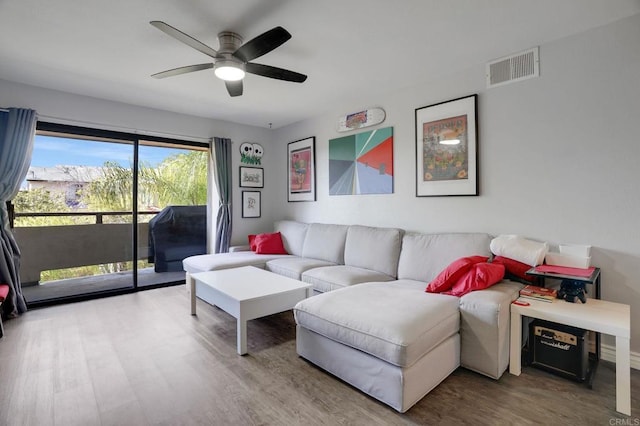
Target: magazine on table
(539,293)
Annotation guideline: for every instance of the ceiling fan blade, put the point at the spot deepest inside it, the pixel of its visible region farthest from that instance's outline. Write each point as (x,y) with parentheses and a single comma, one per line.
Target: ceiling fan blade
(274,72)
(234,87)
(262,44)
(182,70)
(185,38)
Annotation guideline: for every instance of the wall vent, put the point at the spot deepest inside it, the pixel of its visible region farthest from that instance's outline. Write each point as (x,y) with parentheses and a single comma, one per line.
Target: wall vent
(512,68)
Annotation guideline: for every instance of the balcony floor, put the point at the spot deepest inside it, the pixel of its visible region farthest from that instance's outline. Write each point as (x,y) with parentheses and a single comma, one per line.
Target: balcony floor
(73,287)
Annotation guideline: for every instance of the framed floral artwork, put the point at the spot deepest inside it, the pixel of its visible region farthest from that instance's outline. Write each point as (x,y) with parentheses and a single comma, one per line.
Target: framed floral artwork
(301,173)
(447,148)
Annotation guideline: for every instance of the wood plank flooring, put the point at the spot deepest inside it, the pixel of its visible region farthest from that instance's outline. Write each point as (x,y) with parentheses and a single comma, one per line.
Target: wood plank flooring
(141,359)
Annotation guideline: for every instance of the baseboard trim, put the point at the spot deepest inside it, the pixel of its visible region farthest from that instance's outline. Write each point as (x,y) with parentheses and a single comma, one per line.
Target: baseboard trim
(608,353)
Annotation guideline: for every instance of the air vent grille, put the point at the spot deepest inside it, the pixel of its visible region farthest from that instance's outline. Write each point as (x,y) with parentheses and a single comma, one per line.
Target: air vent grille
(512,68)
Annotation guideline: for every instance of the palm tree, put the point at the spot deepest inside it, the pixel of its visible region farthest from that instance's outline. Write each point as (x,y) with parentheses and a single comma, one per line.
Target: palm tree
(179,180)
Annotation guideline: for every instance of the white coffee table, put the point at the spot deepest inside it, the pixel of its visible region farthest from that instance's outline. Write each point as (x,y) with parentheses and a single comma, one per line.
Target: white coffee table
(248,293)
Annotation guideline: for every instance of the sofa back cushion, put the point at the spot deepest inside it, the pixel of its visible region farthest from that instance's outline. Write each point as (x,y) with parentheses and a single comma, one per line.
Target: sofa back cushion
(325,242)
(293,234)
(377,249)
(424,256)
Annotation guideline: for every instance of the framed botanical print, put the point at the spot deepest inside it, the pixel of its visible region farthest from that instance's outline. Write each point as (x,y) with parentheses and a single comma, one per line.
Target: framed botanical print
(447,148)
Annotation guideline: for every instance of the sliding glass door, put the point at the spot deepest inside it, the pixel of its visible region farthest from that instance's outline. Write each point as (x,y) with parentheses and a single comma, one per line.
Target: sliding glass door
(171,209)
(79,229)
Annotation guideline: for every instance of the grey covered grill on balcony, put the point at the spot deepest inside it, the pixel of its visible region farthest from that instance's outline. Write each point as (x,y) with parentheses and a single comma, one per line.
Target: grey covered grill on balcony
(175,233)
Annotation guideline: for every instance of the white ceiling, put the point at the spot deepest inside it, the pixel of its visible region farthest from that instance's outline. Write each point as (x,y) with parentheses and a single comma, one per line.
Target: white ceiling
(107,49)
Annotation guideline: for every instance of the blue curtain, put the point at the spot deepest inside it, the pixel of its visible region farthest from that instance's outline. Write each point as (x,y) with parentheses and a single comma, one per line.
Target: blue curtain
(17,129)
(221,152)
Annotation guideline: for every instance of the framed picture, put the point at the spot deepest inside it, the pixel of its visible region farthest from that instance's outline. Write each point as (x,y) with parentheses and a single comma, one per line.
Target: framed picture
(251,177)
(362,163)
(250,204)
(447,148)
(301,174)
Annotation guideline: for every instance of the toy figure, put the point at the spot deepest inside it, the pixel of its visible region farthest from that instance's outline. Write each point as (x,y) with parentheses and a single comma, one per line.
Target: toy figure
(570,289)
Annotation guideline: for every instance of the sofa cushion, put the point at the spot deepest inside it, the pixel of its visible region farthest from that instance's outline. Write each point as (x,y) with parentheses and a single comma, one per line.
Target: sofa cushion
(4,292)
(514,269)
(396,322)
(269,244)
(479,277)
(518,248)
(294,266)
(293,234)
(453,272)
(377,249)
(325,242)
(252,241)
(423,256)
(330,278)
(213,262)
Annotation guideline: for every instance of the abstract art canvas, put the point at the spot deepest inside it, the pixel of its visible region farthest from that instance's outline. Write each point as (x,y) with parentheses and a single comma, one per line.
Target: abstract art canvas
(362,163)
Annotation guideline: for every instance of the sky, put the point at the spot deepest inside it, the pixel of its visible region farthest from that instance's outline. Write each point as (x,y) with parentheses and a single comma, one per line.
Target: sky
(49,151)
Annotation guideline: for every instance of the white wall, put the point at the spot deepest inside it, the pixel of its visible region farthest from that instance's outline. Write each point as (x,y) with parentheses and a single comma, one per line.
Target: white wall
(61,107)
(558,157)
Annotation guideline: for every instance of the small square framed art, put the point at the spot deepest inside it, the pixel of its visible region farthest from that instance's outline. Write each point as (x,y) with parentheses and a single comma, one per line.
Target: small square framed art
(251,177)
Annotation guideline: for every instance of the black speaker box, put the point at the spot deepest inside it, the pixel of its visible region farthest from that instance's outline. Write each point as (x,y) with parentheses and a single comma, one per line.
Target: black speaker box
(559,349)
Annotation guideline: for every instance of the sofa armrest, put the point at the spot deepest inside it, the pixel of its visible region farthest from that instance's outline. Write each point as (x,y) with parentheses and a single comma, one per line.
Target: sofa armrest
(484,328)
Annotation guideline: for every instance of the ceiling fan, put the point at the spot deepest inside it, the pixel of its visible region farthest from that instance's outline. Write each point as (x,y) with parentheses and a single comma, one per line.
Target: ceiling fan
(233,58)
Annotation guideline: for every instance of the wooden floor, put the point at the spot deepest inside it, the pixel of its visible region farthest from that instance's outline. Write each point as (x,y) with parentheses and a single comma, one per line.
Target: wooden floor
(141,359)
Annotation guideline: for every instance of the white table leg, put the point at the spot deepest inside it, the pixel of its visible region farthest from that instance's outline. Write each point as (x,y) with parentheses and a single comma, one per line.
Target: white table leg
(242,336)
(623,376)
(191,285)
(515,349)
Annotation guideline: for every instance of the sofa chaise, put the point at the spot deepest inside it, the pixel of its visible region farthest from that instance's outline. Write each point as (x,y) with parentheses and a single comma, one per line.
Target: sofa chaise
(371,323)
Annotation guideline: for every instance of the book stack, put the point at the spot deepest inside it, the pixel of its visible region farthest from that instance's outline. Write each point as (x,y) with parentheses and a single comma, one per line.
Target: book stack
(539,293)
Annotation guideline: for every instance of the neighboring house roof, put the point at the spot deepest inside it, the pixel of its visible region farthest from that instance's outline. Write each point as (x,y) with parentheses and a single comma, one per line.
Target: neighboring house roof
(77,174)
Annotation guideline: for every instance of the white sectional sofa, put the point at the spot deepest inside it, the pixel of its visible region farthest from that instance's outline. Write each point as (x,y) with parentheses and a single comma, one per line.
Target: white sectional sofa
(386,336)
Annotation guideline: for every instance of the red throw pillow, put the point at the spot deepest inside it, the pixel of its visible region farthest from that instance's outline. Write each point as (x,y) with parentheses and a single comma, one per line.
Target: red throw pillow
(479,277)
(452,273)
(4,292)
(252,242)
(514,267)
(269,244)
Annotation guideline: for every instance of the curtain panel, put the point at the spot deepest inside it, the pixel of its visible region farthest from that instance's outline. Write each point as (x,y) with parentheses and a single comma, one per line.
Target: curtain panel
(221,153)
(17,129)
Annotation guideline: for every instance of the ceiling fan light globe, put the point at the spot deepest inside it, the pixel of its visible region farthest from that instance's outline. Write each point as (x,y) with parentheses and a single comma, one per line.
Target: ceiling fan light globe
(229,71)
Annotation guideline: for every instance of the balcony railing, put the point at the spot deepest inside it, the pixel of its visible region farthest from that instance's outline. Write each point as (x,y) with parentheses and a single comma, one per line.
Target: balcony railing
(68,246)
(98,215)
